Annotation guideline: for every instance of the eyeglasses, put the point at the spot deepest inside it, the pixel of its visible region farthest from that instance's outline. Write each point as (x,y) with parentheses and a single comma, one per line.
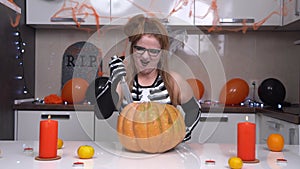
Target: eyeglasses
(151,52)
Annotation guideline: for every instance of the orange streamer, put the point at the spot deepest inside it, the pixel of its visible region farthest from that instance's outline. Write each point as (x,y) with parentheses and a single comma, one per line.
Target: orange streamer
(16,22)
(85,10)
(76,9)
(215,28)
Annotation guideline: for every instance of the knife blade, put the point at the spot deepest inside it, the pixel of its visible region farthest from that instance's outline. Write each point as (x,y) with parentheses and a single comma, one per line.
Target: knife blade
(125,90)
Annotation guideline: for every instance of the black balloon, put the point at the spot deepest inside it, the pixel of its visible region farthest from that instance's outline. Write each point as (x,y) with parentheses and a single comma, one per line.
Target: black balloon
(271,92)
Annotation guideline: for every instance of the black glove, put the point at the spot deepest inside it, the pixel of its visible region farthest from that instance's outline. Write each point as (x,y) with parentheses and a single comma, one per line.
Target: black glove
(188,135)
(117,70)
(192,111)
(105,89)
(104,96)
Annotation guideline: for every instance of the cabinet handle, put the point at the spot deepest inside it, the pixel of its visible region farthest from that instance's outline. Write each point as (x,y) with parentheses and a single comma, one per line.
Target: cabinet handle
(66,20)
(236,20)
(274,125)
(292,132)
(296,8)
(164,20)
(213,119)
(56,116)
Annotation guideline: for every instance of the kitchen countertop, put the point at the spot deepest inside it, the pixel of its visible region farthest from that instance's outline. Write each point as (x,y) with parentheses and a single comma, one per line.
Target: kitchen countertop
(112,156)
(205,108)
(289,114)
(58,107)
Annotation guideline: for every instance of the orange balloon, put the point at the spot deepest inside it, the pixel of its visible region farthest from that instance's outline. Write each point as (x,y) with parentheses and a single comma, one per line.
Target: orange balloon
(197,86)
(234,91)
(74,90)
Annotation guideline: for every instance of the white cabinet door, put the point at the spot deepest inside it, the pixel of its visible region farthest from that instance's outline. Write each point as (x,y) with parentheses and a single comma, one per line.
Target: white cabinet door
(219,127)
(173,12)
(62,12)
(235,12)
(105,129)
(72,125)
(292,8)
(269,125)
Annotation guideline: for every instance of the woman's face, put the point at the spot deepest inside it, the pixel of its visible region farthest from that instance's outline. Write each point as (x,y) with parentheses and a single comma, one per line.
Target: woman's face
(146,54)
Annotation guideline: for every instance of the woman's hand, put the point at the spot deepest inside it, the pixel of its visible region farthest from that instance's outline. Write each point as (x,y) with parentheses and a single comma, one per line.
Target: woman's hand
(117,70)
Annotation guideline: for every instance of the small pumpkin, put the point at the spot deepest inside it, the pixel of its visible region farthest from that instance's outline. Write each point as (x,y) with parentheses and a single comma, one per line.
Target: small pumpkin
(150,127)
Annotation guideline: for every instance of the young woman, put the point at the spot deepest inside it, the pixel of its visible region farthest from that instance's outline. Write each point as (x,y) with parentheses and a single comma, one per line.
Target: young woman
(147,73)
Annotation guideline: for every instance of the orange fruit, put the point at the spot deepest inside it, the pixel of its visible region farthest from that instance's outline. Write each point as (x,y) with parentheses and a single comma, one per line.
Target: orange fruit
(60,143)
(235,163)
(275,142)
(85,151)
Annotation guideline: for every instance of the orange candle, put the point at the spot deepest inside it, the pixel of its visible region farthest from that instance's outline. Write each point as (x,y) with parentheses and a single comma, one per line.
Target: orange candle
(246,141)
(48,138)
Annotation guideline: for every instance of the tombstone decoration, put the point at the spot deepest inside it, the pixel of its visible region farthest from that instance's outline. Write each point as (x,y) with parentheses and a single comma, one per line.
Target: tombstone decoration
(81,60)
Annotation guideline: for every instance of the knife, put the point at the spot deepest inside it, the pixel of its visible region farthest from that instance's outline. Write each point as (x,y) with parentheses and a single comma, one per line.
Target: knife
(126,91)
(125,88)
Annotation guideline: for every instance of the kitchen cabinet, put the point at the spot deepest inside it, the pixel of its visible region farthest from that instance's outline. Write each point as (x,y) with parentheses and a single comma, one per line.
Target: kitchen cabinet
(269,125)
(193,12)
(292,14)
(42,12)
(115,12)
(219,127)
(234,12)
(72,125)
(11,67)
(179,11)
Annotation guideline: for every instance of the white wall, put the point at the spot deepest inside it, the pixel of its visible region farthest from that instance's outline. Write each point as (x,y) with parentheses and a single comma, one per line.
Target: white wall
(250,56)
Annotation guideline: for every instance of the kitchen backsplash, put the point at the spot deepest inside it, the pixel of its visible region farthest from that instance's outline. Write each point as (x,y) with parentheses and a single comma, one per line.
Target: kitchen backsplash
(212,58)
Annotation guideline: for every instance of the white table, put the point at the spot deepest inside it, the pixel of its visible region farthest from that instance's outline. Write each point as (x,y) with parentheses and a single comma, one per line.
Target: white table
(113,156)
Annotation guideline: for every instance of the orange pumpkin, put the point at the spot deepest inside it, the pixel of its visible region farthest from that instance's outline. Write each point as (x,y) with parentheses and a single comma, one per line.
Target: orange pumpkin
(150,127)
(275,142)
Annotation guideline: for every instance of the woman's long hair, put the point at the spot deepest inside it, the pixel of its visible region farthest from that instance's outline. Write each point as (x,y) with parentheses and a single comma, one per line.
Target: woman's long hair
(138,26)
